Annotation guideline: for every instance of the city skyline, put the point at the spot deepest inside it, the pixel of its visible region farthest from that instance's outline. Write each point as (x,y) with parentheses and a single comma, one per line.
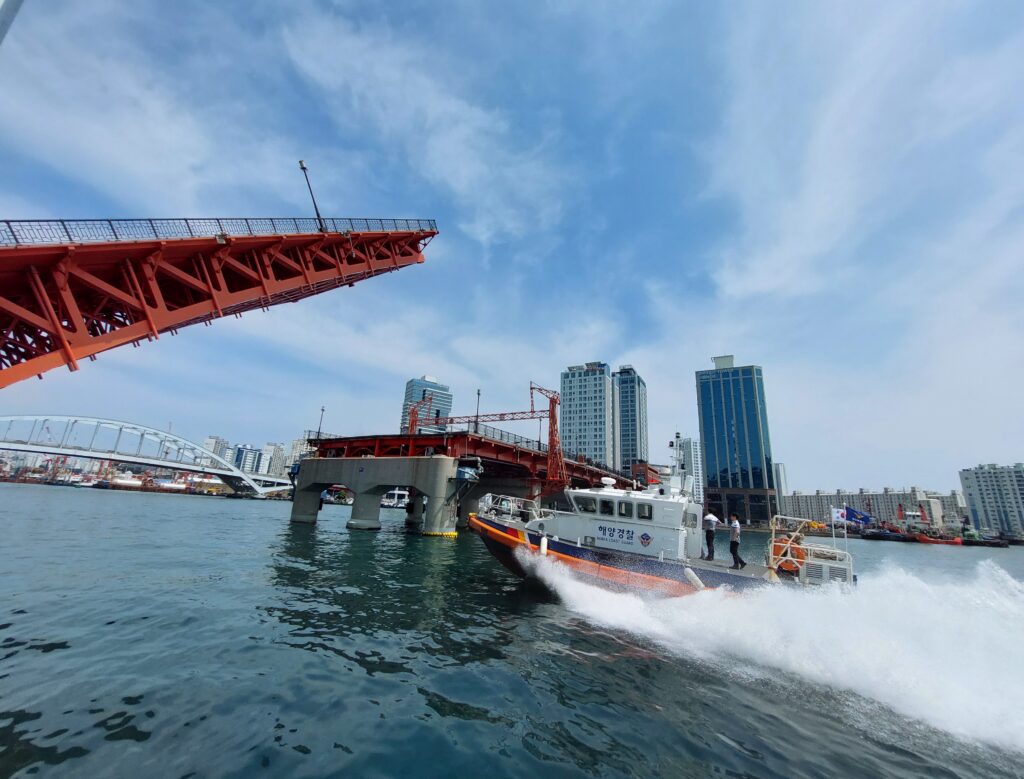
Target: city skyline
(860,263)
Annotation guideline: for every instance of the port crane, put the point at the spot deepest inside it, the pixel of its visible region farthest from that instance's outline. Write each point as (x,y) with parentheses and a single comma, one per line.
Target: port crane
(557,477)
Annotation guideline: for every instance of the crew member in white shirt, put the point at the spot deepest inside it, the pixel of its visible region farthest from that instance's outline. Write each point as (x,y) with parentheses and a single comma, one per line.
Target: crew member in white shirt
(734,543)
(710,523)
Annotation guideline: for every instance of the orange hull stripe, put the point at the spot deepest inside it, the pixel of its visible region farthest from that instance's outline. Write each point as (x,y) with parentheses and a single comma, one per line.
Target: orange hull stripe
(608,573)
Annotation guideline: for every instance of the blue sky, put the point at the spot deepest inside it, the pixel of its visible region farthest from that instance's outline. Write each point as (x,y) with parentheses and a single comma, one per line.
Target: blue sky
(832,191)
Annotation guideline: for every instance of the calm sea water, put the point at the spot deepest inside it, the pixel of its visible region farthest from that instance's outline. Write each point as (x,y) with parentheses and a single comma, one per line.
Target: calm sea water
(181,636)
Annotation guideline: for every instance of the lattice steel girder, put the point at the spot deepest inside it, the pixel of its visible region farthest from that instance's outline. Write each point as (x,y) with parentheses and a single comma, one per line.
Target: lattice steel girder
(528,462)
(60,303)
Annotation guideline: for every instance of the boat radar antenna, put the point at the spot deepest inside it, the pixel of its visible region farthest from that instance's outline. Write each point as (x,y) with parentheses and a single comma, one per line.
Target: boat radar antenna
(678,483)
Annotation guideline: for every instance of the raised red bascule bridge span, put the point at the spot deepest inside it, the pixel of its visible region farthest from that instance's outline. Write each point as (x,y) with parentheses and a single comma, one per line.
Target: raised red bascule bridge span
(70,289)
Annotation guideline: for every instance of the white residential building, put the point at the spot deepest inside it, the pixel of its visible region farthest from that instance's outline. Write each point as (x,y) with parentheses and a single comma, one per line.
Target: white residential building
(298,451)
(219,446)
(247,458)
(995,497)
(272,460)
(941,509)
(587,415)
(688,451)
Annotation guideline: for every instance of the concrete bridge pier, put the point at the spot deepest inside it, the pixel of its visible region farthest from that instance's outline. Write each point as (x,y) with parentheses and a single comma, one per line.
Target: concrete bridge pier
(370,477)
(414,510)
(365,512)
(306,505)
(470,504)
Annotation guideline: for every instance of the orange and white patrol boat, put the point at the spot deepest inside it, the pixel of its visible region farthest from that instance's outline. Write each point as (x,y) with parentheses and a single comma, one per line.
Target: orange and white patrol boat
(643,539)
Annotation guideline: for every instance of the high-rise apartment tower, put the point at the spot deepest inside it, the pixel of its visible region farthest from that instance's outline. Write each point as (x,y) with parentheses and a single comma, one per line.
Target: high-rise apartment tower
(630,417)
(587,414)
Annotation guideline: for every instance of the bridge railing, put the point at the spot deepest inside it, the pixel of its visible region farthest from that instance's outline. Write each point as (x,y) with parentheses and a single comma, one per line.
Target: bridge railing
(16,232)
(494,433)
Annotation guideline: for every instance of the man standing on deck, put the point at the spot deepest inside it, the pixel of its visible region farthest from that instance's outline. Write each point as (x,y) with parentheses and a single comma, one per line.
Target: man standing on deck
(734,543)
(710,523)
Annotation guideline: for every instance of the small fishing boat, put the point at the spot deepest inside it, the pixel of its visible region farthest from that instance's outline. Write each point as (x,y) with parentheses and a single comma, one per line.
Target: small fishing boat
(646,540)
(925,538)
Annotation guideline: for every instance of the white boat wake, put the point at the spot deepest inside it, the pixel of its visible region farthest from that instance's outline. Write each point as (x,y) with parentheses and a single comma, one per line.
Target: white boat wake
(947,653)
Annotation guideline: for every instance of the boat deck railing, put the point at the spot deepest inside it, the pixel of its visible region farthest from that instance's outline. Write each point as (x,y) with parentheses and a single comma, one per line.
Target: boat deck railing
(523,509)
(786,546)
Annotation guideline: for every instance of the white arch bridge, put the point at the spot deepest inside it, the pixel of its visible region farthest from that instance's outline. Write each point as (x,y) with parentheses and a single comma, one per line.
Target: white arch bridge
(124,442)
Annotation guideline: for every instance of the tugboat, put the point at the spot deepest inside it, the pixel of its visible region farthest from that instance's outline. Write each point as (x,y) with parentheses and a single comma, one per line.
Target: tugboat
(646,540)
(972,537)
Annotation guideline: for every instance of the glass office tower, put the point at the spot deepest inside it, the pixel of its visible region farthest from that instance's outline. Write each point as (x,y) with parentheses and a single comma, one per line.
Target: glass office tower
(736,445)
(440,406)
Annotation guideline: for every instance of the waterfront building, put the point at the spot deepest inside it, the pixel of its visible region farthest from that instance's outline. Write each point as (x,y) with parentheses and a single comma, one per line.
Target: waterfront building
(995,497)
(689,454)
(587,415)
(781,485)
(247,458)
(735,443)
(942,509)
(630,417)
(440,404)
(219,446)
(272,460)
(298,451)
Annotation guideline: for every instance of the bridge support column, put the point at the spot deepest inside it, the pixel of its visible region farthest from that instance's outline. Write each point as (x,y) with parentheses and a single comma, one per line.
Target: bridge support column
(414,510)
(306,505)
(369,478)
(365,512)
(469,504)
(439,519)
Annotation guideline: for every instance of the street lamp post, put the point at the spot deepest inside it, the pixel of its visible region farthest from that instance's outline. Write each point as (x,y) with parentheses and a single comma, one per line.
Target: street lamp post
(320,424)
(319,219)
(476,426)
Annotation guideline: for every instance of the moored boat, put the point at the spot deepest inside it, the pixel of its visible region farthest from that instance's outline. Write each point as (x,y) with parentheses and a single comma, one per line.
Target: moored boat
(644,540)
(885,534)
(924,538)
(972,537)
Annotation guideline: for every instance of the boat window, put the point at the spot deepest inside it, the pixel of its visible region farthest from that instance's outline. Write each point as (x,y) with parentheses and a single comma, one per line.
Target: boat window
(644,511)
(588,505)
(625,509)
(608,507)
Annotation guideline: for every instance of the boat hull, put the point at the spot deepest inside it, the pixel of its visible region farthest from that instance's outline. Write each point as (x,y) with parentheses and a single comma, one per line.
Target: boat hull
(993,543)
(887,535)
(607,569)
(924,539)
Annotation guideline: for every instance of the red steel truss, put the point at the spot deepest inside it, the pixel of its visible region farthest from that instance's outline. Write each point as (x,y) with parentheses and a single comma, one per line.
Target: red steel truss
(501,459)
(62,302)
(556,477)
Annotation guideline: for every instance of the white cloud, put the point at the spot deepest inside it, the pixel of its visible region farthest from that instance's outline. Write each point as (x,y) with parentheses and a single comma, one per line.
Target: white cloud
(160,137)
(875,164)
(396,88)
